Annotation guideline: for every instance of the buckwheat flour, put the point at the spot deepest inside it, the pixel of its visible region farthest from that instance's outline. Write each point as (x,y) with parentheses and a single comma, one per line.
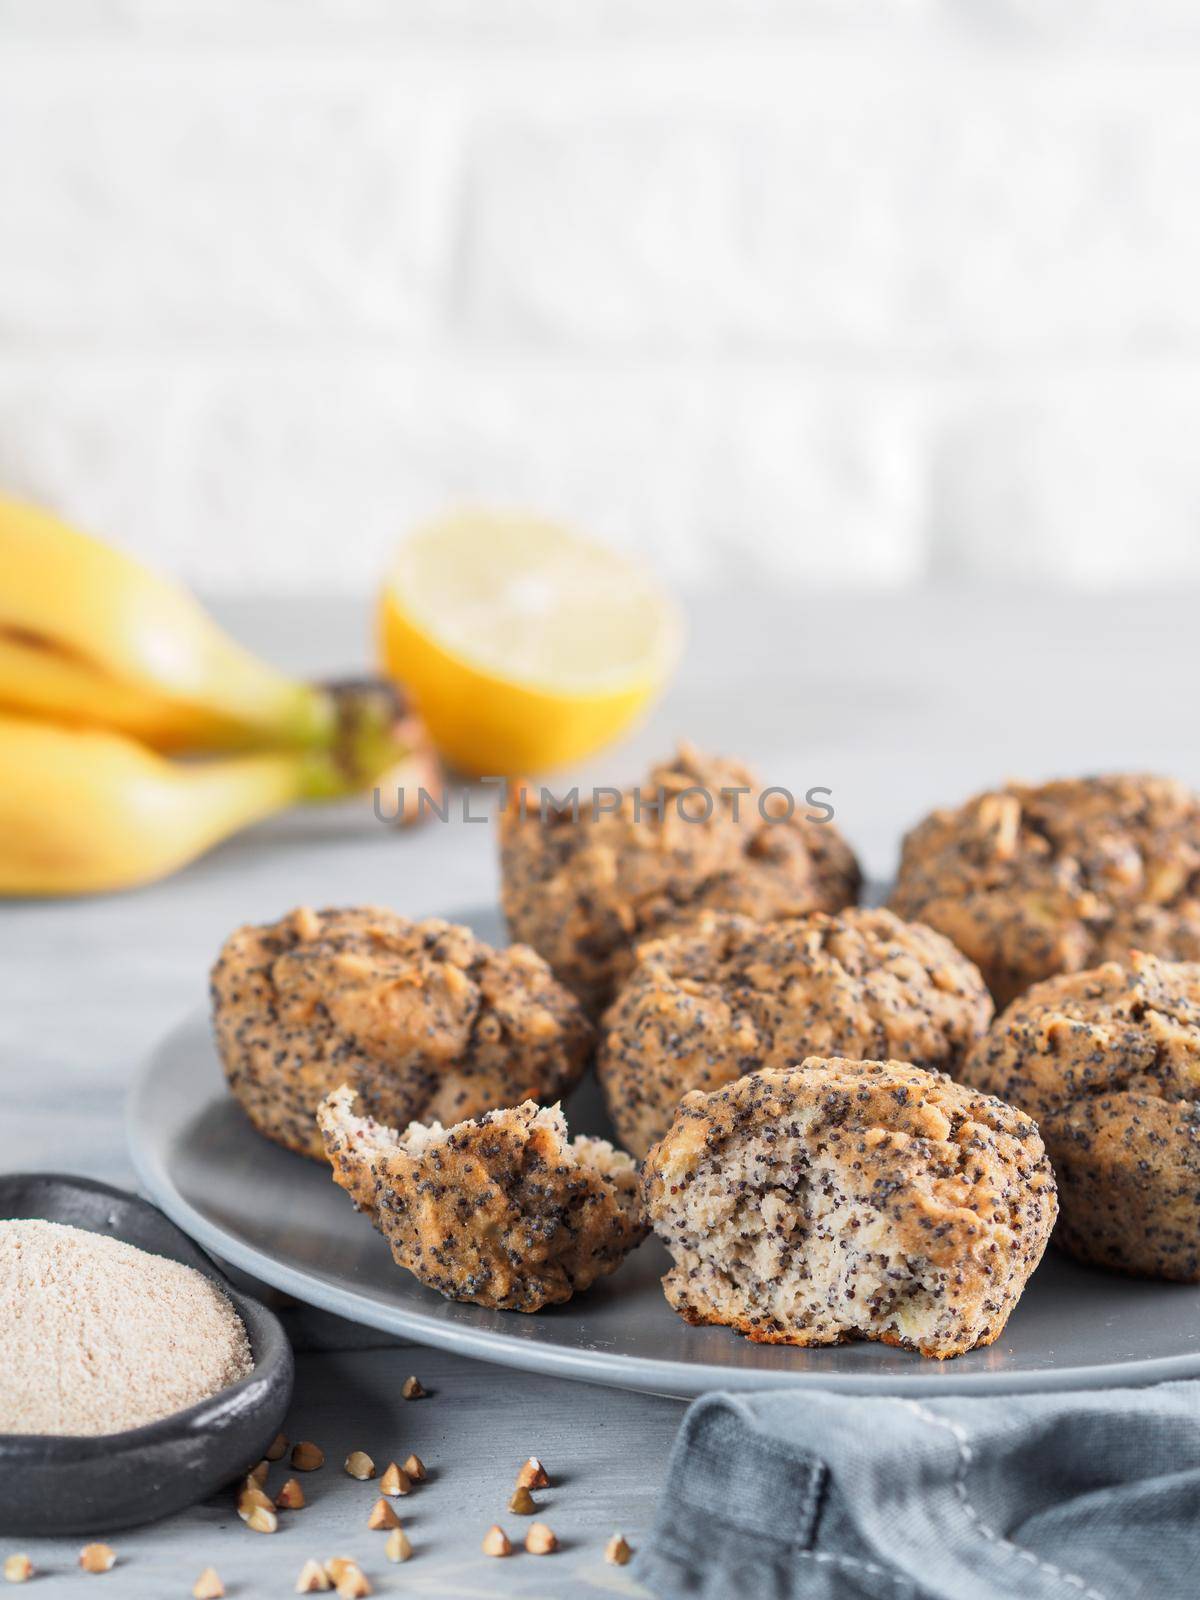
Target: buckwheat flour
(97,1336)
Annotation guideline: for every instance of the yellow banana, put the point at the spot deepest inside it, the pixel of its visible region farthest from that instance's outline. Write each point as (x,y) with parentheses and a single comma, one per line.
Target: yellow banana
(88,635)
(84,810)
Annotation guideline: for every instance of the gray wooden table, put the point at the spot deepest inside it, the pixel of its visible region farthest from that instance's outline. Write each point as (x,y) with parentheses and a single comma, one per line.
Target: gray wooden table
(894,702)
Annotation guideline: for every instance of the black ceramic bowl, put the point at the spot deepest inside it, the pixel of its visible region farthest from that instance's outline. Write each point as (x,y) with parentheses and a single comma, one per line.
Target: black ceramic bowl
(53,1484)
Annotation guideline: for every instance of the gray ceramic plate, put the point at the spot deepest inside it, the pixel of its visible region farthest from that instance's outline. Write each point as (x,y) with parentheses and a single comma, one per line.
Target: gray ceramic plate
(278,1217)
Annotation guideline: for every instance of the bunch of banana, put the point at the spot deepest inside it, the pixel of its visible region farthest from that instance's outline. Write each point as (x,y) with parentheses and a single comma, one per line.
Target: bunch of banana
(108,675)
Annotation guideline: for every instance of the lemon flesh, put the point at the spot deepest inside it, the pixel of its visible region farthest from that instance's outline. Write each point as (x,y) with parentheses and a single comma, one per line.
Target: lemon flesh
(525,646)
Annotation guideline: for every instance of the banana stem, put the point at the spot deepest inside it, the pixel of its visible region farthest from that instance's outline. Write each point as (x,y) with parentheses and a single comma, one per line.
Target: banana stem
(310,719)
(336,715)
(247,788)
(374,731)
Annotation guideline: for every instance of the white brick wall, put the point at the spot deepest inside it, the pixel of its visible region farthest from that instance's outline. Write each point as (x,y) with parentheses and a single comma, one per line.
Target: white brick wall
(836,290)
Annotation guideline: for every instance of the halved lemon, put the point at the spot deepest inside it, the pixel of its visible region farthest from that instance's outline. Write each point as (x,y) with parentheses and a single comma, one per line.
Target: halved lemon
(525,646)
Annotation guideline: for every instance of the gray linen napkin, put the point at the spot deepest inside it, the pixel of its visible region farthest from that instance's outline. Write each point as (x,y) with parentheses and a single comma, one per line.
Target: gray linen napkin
(1079,1496)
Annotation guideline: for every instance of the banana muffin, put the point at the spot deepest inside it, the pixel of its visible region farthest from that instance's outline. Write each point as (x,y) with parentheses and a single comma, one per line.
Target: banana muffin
(583,890)
(731,996)
(1030,880)
(503,1211)
(846,1200)
(422,1018)
(1108,1062)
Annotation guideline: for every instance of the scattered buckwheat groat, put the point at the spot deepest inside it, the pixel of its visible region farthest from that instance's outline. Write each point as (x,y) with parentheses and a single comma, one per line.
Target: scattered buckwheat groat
(208,1586)
(413,1389)
(358,1464)
(1035,879)
(522,1502)
(495,1542)
(504,1211)
(313,1579)
(731,995)
(397,1547)
(700,834)
(97,1558)
(382,1516)
(533,1475)
(290,1497)
(18,1569)
(348,1578)
(1108,1063)
(540,1541)
(415,1468)
(354,1585)
(307,1457)
(851,1200)
(277,1448)
(421,1018)
(616,1551)
(395,1481)
(256,1509)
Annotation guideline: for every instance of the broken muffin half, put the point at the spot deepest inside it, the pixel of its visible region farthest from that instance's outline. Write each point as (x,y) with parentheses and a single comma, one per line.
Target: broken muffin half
(844,1200)
(503,1210)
